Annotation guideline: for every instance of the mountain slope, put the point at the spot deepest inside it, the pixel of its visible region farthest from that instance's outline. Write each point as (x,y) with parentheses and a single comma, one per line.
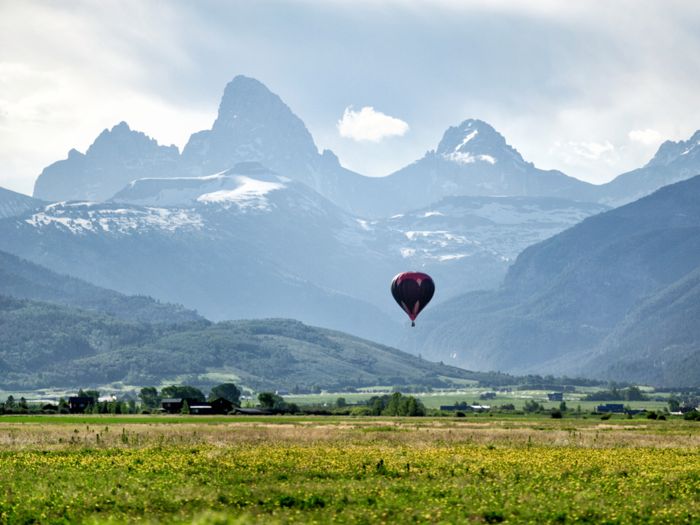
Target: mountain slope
(658,341)
(23,279)
(13,203)
(564,296)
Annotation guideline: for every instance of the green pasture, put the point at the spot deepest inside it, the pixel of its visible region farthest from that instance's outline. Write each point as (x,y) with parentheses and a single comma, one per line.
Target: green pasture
(288,470)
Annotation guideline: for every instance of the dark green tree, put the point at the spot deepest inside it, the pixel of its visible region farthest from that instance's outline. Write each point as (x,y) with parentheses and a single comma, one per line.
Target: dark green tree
(340,402)
(10,403)
(23,403)
(266,400)
(674,405)
(531,406)
(94,394)
(149,397)
(378,407)
(562,406)
(393,408)
(227,391)
(182,392)
(634,393)
(185,408)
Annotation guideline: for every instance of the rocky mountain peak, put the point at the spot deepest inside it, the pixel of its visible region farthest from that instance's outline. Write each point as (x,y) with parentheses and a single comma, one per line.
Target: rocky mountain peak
(670,151)
(476,141)
(253,125)
(124,142)
(117,157)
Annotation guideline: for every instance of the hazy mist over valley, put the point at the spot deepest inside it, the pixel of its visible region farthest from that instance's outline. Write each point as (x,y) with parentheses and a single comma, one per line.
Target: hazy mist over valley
(252,250)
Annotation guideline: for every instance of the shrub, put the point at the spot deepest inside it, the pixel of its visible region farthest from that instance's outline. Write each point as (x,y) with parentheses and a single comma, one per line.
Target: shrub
(361,411)
(460,414)
(652,415)
(531,406)
(606,416)
(556,413)
(692,416)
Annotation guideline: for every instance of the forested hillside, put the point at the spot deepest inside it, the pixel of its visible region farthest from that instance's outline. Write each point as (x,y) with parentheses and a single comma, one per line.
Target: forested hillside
(43,345)
(24,279)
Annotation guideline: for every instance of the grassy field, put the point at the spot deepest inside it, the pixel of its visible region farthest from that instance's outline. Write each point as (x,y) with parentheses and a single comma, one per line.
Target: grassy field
(471,395)
(219,470)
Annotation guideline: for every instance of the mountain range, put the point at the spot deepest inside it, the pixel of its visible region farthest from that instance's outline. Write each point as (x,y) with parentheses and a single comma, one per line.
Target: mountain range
(254,125)
(248,243)
(251,221)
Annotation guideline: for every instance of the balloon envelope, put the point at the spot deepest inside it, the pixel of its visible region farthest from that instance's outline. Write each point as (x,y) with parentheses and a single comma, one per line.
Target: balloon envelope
(412,291)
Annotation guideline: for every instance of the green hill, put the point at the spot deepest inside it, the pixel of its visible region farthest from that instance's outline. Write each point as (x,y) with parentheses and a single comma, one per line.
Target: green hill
(44,345)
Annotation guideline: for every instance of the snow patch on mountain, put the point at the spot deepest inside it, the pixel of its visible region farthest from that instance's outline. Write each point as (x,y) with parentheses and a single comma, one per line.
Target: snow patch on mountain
(250,193)
(468,158)
(79,218)
(247,190)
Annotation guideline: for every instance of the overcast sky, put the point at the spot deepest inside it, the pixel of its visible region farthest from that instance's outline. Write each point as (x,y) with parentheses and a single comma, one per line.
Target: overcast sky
(589,88)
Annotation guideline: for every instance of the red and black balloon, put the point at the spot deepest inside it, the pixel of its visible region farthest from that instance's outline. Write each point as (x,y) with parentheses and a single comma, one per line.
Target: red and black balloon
(413,291)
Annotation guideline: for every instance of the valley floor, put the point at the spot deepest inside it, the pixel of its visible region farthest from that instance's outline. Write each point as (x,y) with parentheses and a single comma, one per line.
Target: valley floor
(220,470)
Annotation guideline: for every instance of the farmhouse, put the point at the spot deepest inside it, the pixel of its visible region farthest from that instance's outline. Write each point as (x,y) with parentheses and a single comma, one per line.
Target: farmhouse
(77,405)
(611,407)
(556,396)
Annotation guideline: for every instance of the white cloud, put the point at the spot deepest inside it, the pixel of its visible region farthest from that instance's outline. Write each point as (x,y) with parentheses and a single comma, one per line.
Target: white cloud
(584,156)
(591,150)
(368,124)
(648,136)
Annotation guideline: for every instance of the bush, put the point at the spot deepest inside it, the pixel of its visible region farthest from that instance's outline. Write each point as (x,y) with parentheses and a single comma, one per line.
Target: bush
(652,415)
(531,406)
(361,411)
(606,416)
(460,414)
(692,416)
(556,413)
(662,417)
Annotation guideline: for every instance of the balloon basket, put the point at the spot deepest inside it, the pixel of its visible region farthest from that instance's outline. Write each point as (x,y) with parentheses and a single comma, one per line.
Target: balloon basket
(413,323)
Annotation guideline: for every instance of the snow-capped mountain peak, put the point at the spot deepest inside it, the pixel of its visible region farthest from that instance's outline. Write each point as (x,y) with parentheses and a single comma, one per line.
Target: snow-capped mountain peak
(476,141)
(670,151)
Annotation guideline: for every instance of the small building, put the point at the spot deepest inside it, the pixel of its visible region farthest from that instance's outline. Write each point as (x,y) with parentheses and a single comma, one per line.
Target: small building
(611,407)
(77,405)
(173,405)
(49,406)
(282,392)
(556,396)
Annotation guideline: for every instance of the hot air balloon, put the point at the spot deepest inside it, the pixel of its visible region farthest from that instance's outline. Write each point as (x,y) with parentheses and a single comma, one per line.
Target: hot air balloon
(413,291)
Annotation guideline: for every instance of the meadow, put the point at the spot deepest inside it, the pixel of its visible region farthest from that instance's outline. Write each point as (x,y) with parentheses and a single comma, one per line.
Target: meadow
(287,469)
